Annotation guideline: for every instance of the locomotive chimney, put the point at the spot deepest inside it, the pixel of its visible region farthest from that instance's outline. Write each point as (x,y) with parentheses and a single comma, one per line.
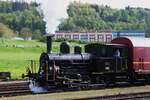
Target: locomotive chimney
(49,43)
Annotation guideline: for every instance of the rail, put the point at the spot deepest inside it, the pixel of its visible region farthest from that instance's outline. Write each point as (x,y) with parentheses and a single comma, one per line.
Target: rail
(131,96)
(14,88)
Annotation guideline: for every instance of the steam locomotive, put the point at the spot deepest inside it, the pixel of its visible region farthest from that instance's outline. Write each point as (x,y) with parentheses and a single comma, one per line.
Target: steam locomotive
(99,64)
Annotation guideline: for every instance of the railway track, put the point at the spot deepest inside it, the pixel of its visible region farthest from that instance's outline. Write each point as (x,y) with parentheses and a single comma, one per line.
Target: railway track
(17,88)
(131,96)
(14,88)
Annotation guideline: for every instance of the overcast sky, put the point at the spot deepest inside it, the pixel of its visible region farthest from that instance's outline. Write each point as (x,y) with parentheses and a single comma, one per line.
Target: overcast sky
(121,3)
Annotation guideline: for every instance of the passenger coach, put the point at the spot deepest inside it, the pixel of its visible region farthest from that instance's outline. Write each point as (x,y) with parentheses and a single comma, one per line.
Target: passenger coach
(139,59)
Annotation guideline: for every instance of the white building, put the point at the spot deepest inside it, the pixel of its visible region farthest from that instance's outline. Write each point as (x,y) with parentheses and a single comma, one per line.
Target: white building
(93,37)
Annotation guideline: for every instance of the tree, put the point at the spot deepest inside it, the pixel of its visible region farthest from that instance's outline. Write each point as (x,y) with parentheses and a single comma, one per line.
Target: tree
(89,17)
(5,31)
(17,15)
(147,26)
(37,34)
(25,33)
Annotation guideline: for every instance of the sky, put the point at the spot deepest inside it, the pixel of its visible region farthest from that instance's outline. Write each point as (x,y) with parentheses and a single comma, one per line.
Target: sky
(55,10)
(121,3)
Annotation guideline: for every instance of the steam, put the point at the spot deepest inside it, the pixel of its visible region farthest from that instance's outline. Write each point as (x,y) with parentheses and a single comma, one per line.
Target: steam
(36,89)
(54,12)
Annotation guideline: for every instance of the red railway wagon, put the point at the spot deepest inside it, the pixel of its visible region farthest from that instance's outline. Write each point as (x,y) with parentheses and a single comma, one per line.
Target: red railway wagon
(139,53)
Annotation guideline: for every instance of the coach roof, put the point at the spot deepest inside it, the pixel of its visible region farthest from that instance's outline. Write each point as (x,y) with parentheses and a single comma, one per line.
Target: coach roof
(137,41)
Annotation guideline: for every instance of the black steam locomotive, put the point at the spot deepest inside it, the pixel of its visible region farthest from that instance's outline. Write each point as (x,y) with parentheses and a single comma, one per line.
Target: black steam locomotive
(100,63)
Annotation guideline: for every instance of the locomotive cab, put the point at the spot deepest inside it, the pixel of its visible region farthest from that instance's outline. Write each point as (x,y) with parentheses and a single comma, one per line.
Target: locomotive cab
(109,60)
(119,54)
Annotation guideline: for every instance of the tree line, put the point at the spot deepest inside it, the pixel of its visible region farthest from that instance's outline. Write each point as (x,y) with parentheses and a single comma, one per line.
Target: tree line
(21,19)
(18,18)
(92,17)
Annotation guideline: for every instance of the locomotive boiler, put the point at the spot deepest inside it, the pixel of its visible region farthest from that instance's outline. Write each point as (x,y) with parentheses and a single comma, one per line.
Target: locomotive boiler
(63,68)
(100,63)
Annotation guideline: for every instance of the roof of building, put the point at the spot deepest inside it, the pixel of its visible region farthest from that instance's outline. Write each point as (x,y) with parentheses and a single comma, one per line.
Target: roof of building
(83,32)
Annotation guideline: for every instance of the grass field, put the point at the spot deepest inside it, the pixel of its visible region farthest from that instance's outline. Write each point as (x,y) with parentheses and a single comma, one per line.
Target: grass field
(15,55)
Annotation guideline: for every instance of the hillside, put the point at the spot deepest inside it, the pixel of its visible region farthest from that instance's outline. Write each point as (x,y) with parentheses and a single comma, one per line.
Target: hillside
(89,17)
(21,17)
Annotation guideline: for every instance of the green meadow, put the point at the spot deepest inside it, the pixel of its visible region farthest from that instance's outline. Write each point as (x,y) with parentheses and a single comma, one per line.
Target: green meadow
(16,55)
